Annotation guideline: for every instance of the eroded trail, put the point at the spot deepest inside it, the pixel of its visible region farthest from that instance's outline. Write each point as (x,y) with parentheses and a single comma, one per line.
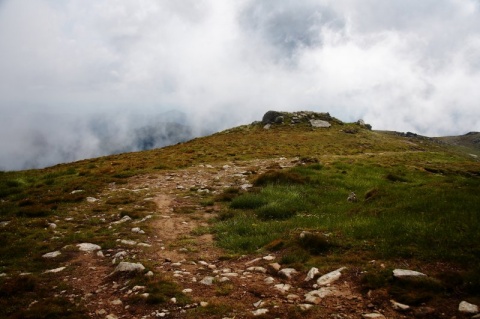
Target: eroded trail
(174,247)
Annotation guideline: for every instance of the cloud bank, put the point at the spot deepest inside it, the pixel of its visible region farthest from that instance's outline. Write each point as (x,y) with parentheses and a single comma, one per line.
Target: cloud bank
(66,66)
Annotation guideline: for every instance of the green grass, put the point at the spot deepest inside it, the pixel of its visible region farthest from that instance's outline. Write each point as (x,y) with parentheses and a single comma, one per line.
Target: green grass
(402,211)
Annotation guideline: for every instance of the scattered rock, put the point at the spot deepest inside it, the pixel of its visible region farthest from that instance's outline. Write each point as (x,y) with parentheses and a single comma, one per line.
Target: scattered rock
(399,306)
(77,191)
(116,302)
(124,219)
(87,247)
(272,117)
(402,273)
(149,274)
(330,277)
(55,270)
(137,230)
(129,267)
(260,312)
(187,290)
(128,242)
(373,315)
(283,288)
(315,296)
(287,273)
(53,254)
(257,269)
(273,268)
(465,307)
(269,280)
(311,274)
(269,258)
(352,197)
(111,316)
(52,225)
(320,123)
(305,306)
(92,199)
(208,281)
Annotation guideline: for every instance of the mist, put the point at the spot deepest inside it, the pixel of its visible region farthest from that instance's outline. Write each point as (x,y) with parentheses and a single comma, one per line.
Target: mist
(81,79)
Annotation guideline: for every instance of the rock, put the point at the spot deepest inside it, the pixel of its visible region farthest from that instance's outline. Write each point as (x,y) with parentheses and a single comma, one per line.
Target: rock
(287,273)
(53,254)
(465,307)
(77,191)
(137,230)
(116,302)
(373,315)
(330,277)
(124,219)
(272,117)
(55,270)
(92,199)
(101,312)
(293,297)
(273,268)
(399,306)
(149,274)
(208,281)
(311,274)
(305,306)
(315,296)
(402,273)
(283,288)
(252,261)
(100,254)
(260,312)
(128,242)
(320,123)
(269,280)
(267,127)
(269,258)
(3,274)
(259,303)
(111,316)
(203,304)
(187,290)
(87,247)
(352,197)
(52,225)
(129,267)
(257,269)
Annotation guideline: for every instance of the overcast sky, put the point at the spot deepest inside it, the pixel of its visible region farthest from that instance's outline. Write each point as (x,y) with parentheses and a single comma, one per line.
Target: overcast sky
(401,65)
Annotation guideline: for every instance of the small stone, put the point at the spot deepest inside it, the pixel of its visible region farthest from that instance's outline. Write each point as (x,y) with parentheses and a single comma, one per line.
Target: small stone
(465,307)
(373,315)
(287,272)
(116,302)
(128,242)
(91,199)
(269,280)
(269,258)
(257,269)
(52,225)
(274,268)
(330,278)
(293,297)
(305,306)
(100,254)
(252,261)
(311,274)
(208,281)
(320,123)
(173,300)
(137,230)
(129,267)
(258,303)
(101,312)
(399,306)
(283,287)
(149,274)
(260,312)
(88,247)
(53,254)
(187,290)
(55,270)
(111,316)
(402,273)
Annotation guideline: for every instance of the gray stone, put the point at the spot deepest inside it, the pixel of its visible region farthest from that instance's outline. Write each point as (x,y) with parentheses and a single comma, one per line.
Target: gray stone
(269,280)
(53,254)
(208,281)
(402,273)
(55,270)
(257,269)
(260,312)
(315,296)
(311,274)
(373,315)
(305,306)
(465,307)
(287,273)
(129,267)
(330,278)
(283,288)
(320,123)
(88,247)
(399,306)
(92,199)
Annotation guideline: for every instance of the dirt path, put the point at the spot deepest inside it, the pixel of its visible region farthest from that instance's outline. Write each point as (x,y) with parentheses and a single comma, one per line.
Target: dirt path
(218,287)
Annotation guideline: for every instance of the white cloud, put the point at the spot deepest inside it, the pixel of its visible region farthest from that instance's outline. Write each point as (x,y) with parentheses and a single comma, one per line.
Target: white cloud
(402,65)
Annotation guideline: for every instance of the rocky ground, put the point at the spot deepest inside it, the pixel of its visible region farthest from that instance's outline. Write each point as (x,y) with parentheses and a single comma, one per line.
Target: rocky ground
(165,244)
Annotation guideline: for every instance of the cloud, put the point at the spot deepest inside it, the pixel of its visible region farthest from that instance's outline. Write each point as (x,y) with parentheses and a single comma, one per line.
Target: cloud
(407,66)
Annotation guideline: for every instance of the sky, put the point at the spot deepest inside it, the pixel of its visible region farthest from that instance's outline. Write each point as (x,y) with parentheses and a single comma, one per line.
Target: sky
(400,65)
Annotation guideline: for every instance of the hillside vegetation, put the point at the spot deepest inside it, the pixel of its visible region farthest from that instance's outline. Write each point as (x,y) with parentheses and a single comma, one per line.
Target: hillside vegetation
(411,201)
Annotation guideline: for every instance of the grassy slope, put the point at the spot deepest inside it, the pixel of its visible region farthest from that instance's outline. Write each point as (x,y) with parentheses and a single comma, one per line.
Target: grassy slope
(416,195)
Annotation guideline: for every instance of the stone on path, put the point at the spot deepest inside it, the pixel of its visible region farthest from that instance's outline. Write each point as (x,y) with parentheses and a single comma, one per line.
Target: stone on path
(311,274)
(287,273)
(129,267)
(402,273)
(55,270)
(208,281)
(466,307)
(53,254)
(330,277)
(373,315)
(260,312)
(88,247)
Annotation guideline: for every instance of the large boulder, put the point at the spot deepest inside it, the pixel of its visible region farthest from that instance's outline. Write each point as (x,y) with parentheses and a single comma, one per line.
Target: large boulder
(272,117)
